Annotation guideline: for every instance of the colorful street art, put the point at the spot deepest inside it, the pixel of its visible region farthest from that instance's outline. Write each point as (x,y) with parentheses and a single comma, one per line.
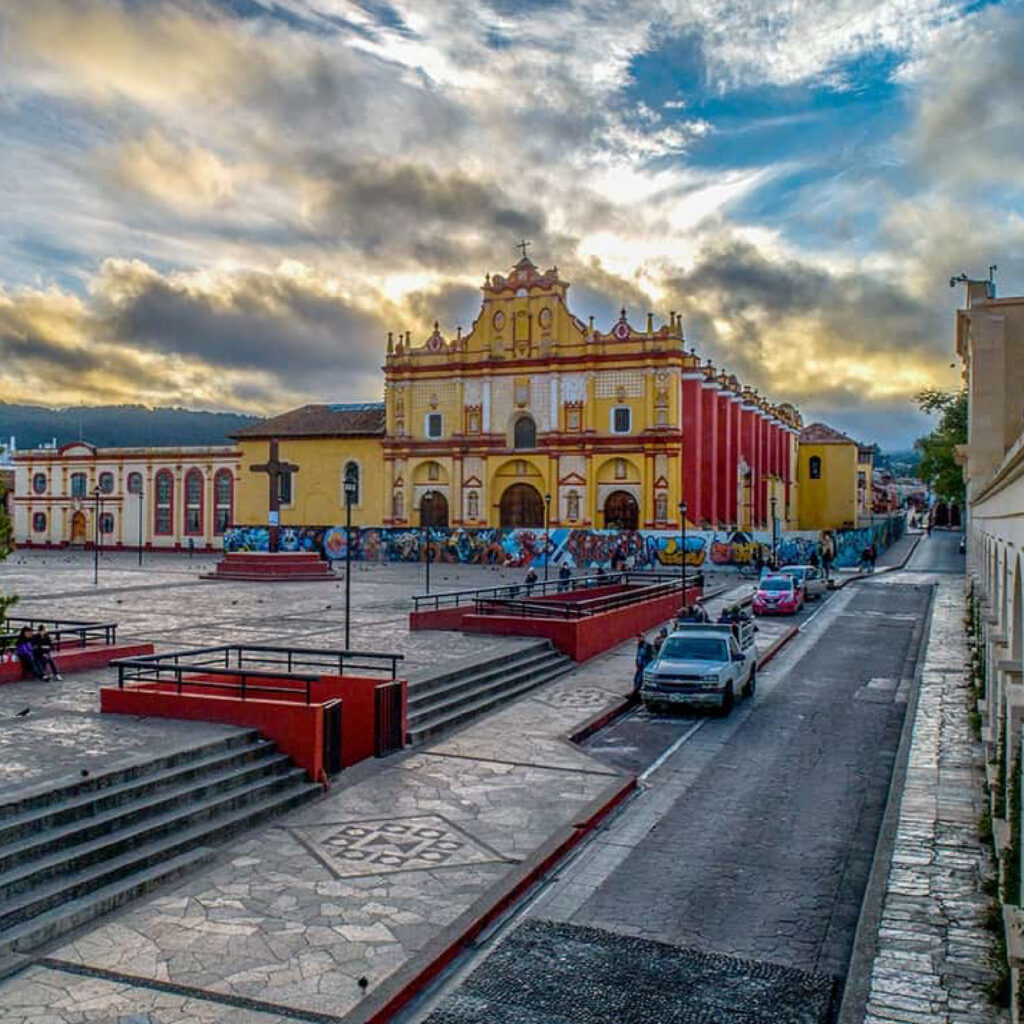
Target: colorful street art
(637,549)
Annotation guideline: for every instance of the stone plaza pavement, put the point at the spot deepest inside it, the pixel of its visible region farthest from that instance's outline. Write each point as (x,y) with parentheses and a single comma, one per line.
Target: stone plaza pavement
(932,953)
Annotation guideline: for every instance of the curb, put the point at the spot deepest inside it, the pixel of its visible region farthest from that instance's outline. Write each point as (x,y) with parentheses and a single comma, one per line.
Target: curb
(380,1005)
(886,568)
(777,646)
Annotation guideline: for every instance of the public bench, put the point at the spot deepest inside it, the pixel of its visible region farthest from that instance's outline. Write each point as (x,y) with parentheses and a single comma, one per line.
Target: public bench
(77,645)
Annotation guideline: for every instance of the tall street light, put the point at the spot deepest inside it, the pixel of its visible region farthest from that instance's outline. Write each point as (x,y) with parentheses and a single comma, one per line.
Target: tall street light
(350,493)
(140,524)
(96,537)
(682,525)
(547,534)
(426,533)
(775,535)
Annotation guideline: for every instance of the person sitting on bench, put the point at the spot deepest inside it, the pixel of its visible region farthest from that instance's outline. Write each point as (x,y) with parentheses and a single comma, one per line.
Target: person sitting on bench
(26,651)
(43,645)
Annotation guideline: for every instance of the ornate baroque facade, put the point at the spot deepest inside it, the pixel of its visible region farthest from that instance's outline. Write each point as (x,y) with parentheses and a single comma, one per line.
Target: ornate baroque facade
(533,407)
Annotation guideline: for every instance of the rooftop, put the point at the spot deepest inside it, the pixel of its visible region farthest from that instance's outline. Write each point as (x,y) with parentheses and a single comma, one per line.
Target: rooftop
(822,433)
(359,419)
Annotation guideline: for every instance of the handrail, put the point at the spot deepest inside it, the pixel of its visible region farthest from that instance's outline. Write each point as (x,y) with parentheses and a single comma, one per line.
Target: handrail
(60,629)
(454,598)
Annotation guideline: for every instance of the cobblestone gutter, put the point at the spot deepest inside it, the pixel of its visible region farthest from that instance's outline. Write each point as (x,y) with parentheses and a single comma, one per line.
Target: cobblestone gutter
(933,956)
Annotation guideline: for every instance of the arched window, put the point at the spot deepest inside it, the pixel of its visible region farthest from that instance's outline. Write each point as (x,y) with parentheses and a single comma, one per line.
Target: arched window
(194,503)
(107,482)
(223,500)
(39,522)
(398,505)
(351,473)
(134,483)
(572,506)
(473,505)
(525,433)
(106,523)
(814,467)
(163,507)
(661,506)
(39,483)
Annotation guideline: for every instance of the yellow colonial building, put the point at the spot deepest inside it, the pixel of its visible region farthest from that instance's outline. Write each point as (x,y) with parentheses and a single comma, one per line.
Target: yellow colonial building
(835,479)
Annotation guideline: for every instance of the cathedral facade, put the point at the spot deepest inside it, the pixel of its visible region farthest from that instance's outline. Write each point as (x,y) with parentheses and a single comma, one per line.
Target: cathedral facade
(534,417)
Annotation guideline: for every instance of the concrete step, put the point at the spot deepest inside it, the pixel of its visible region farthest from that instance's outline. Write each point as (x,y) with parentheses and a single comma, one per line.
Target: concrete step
(96,783)
(72,914)
(423,702)
(508,678)
(124,814)
(92,805)
(462,711)
(468,666)
(138,855)
(72,856)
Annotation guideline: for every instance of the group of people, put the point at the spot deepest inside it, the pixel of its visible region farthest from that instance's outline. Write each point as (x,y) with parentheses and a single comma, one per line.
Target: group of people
(564,580)
(823,560)
(867,558)
(35,652)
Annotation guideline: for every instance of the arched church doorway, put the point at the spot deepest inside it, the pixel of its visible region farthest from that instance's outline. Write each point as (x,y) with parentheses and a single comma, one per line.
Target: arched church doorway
(521,506)
(954,515)
(434,510)
(78,528)
(621,511)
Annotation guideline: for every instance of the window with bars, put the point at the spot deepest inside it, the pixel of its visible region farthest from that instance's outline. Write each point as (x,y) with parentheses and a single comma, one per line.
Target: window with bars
(79,485)
(193,503)
(163,511)
(223,500)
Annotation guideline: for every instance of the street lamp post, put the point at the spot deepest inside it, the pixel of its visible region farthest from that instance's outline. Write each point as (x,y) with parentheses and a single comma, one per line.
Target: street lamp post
(140,525)
(96,537)
(350,493)
(426,543)
(682,525)
(547,534)
(775,535)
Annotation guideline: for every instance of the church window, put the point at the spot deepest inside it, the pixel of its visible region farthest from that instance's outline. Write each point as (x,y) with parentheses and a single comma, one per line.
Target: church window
(473,505)
(522,392)
(106,482)
(815,467)
(164,505)
(106,523)
(134,483)
(525,432)
(351,473)
(622,419)
(193,503)
(433,471)
(572,506)
(39,483)
(398,505)
(284,488)
(572,418)
(620,469)
(435,425)
(474,422)
(223,500)
(661,507)
(39,522)
(78,485)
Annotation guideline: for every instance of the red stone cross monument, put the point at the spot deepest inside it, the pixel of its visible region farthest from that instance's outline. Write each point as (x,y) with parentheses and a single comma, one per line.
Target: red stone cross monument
(275,469)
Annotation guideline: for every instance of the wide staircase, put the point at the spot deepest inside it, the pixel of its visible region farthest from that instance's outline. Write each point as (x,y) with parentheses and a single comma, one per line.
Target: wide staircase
(72,853)
(278,567)
(466,691)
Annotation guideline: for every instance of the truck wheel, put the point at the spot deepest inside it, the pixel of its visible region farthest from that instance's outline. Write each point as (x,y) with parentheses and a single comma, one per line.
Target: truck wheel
(751,685)
(727,702)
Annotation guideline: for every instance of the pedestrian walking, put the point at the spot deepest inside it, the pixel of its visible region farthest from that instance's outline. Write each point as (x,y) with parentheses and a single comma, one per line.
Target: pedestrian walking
(530,581)
(43,645)
(872,556)
(644,655)
(191,547)
(564,576)
(813,560)
(659,640)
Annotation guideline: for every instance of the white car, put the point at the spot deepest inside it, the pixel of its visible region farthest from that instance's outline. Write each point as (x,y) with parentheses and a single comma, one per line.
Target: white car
(811,578)
(702,665)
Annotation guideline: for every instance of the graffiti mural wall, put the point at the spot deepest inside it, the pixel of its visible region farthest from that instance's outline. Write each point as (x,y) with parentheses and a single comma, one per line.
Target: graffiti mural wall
(639,549)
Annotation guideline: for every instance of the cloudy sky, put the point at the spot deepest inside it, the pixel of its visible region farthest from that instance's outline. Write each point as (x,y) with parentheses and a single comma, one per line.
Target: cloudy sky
(227,204)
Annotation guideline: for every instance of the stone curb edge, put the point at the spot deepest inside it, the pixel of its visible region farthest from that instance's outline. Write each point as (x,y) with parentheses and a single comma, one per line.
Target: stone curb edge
(885,569)
(865,939)
(390,997)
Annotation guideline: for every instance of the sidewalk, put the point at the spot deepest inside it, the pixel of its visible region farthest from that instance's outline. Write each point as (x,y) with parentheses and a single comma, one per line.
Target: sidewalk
(931,948)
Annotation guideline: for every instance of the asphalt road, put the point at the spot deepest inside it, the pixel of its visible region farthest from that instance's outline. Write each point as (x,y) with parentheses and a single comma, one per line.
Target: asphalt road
(749,848)
(938,553)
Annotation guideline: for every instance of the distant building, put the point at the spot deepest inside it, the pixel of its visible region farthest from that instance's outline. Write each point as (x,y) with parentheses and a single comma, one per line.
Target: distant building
(177,495)
(834,479)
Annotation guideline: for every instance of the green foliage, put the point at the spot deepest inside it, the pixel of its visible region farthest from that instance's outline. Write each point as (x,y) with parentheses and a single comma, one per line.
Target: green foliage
(938,466)
(1012,853)
(6,547)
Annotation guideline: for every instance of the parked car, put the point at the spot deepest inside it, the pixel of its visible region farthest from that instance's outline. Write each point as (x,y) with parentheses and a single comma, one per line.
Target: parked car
(811,579)
(778,594)
(702,666)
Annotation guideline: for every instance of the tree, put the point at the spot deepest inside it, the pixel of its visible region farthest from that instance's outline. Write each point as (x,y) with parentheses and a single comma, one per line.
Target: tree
(938,465)
(6,547)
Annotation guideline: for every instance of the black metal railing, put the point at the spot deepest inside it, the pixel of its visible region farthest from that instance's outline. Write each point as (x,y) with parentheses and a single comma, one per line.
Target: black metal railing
(579,609)
(247,668)
(64,633)
(387,719)
(510,591)
(332,737)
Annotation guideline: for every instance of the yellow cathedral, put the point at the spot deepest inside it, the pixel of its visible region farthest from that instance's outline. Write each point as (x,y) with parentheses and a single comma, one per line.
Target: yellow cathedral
(535,417)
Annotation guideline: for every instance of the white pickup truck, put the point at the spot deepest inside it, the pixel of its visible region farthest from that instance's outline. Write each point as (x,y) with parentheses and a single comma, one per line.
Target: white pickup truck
(702,665)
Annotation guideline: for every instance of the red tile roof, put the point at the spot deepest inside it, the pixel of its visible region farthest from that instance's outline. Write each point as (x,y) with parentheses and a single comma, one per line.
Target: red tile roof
(354,420)
(822,433)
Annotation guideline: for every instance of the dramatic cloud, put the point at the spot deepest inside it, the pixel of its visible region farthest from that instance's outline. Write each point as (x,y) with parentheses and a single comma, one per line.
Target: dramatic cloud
(229,204)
